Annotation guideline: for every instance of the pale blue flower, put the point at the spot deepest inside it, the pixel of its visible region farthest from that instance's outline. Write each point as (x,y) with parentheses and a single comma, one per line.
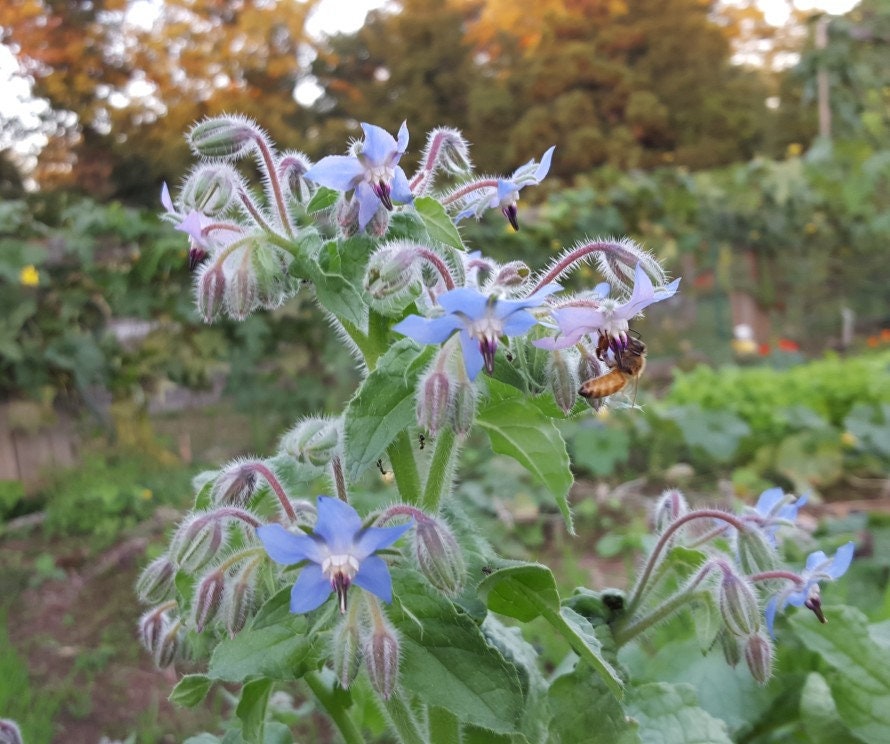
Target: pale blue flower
(605,316)
(505,194)
(481,320)
(773,510)
(819,567)
(340,552)
(192,224)
(374,173)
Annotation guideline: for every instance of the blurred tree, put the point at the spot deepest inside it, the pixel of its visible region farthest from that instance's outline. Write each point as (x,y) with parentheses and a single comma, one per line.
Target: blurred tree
(122,92)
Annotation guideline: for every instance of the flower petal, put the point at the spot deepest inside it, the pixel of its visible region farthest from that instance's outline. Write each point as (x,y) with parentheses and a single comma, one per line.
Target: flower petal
(473,360)
(428,330)
(286,548)
(337,524)
(310,589)
(518,323)
(464,300)
(373,576)
(402,143)
(768,501)
(400,189)
(379,144)
(841,561)
(771,607)
(166,199)
(544,167)
(340,172)
(372,539)
(368,203)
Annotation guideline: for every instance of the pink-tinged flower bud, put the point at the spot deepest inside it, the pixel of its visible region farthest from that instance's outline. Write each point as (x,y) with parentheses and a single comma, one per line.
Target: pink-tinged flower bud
(9,732)
(210,291)
(314,441)
(381,652)
(242,295)
(208,598)
(755,551)
(759,657)
(235,485)
(513,274)
(738,604)
(439,556)
(732,647)
(563,382)
(379,223)
(347,216)
(391,270)
(169,644)
(291,167)
(454,151)
(198,541)
(433,404)
(152,626)
(463,407)
(346,650)
(226,137)
(156,583)
(671,506)
(238,601)
(210,189)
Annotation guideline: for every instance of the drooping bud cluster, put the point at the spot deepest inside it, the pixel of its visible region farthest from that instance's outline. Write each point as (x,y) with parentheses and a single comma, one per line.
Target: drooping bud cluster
(439,556)
(314,442)
(236,484)
(392,279)
(156,582)
(738,603)
(669,508)
(161,634)
(223,137)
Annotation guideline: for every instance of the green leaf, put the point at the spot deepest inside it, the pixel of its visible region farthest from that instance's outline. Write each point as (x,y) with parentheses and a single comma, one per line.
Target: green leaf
(204,738)
(338,273)
(251,708)
(191,690)
(717,433)
(446,661)
(581,635)
(383,406)
(322,199)
(518,429)
(670,713)
(437,222)
(818,713)
(583,711)
(522,592)
(856,668)
(599,448)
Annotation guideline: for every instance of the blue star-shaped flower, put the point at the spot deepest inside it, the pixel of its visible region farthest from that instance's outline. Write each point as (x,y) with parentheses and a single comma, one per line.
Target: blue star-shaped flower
(606,316)
(819,567)
(193,225)
(374,172)
(505,195)
(773,509)
(340,552)
(481,320)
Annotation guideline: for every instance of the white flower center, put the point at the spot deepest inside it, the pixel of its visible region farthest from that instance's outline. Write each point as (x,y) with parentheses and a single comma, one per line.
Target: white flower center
(344,564)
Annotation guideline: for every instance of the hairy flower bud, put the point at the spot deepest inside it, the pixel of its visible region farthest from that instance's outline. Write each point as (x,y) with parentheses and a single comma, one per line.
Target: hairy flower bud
(563,382)
(9,732)
(291,167)
(152,625)
(738,604)
(210,291)
(270,268)
(242,292)
(347,216)
(759,657)
(731,646)
(346,651)
(670,506)
(156,583)
(391,270)
(314,441)
(433,403)
(379,223)
(198,541)
(169,644)
(756,552)
(208,599)
(226,137)
(210,188)
(463,407)
(235,485)
(381,651)
(238,601)
(512,274)
(439,556)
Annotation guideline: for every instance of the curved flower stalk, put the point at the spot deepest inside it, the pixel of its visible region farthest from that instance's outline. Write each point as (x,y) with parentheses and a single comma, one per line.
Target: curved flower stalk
(477,197)
(480,320)
(372,173)
(340,552)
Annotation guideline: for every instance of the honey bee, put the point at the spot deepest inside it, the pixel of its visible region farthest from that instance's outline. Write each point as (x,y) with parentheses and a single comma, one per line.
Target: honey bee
(627,364)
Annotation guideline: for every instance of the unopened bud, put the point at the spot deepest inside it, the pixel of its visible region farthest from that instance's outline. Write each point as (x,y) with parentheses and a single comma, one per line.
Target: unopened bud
(439,556)
(314,441)
(198,541)
(738,604)
(671,506)
(513,274)
(242,295)
(454,152)
(152,626)
(270,268)
(235,485)
(346,651)
(391,270)
(589,368)
(169,644)
(291,168)
(210,291)
(156,583)
(759,657)
(208,598)
(382,658)
(379,223)
(209,189)
(463,407)
(756,552)
(563,382)
(433,401)
(9,732)
(227,137)
(238,600)
(347,216)
(732,647)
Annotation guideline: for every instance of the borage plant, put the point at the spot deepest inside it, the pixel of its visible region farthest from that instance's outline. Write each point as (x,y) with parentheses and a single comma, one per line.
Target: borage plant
(424,613)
